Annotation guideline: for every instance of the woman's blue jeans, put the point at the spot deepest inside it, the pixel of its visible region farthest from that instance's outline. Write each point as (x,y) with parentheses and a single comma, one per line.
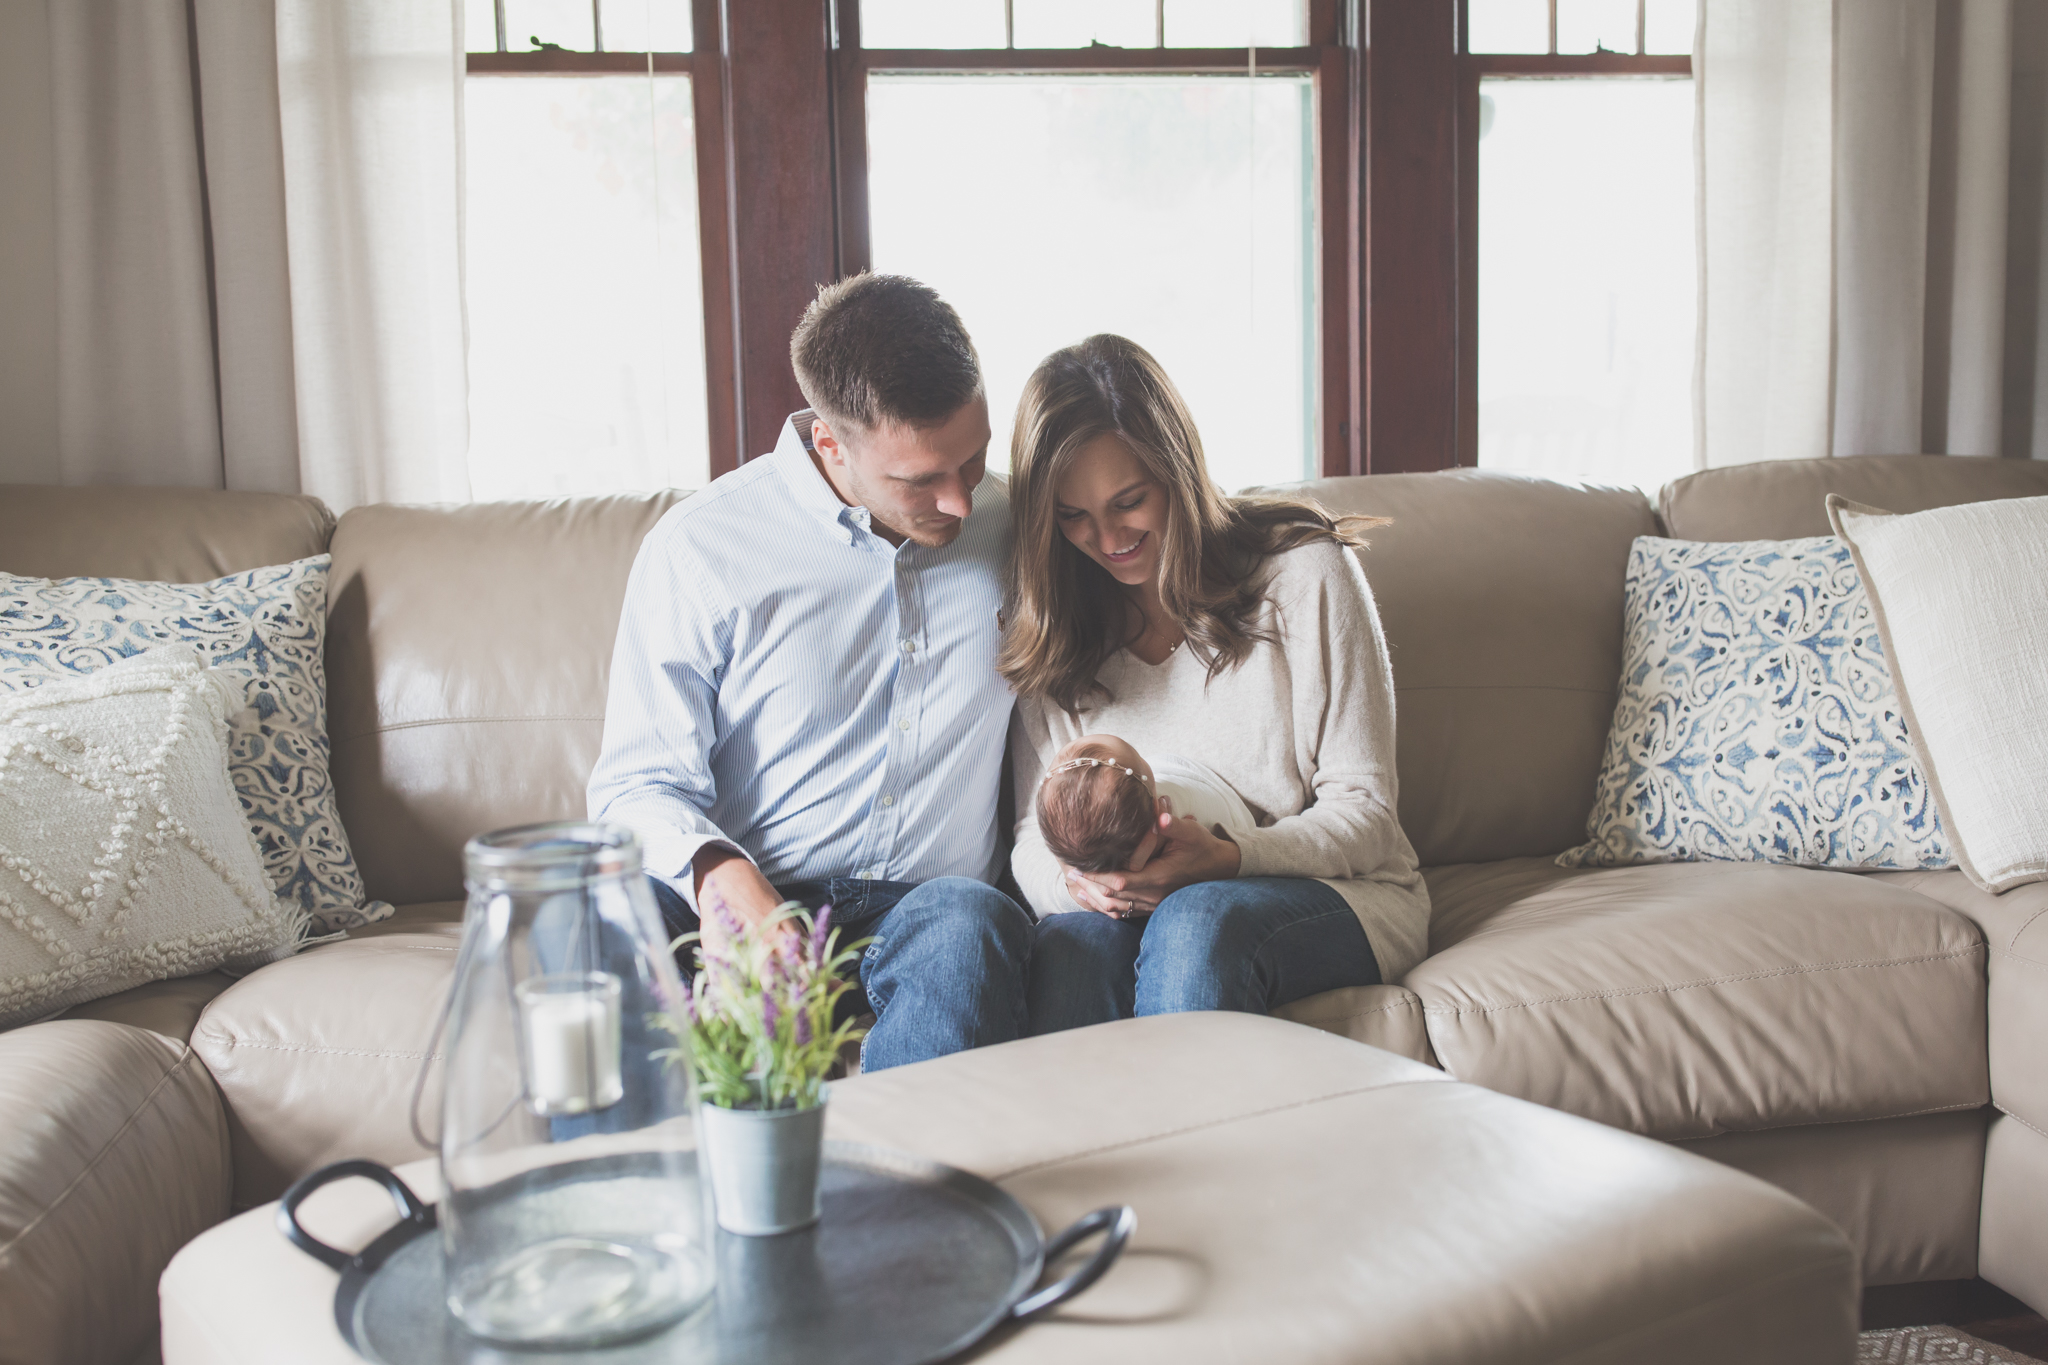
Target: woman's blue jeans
(1249,944)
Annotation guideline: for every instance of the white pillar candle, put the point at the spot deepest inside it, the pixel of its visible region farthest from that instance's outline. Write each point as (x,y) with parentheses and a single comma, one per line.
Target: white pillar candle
(572,1042)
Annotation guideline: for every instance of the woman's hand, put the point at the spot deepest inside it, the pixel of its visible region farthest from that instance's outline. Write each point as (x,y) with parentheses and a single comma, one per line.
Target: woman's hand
(1187,853)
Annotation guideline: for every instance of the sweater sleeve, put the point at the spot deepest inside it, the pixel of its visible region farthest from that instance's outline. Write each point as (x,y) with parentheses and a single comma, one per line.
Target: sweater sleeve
(1342,697)
(1037,872)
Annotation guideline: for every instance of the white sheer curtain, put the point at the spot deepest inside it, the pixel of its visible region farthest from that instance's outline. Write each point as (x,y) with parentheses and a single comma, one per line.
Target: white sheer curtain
(1871,228)
(230,251)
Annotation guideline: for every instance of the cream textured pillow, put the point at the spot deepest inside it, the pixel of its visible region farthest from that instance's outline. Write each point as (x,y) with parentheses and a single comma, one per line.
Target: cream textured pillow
(124,853)
(1961,596)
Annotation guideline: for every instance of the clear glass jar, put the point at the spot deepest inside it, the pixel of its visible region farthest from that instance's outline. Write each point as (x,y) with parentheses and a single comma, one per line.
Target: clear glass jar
(568,1146)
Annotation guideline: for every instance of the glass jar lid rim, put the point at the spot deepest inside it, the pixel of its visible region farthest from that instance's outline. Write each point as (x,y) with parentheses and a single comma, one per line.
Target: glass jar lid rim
(594,846)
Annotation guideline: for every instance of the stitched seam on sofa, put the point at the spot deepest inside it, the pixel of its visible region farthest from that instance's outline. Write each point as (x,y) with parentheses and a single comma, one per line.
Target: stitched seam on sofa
(1964,1107)
(2031,921)
(1676,986)
(1204,1126)
(148,1103)
(2020,1121)
(455,720)
(326,1051)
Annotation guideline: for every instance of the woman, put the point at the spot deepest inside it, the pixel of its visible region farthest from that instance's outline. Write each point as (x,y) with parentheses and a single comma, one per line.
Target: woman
(1237,632)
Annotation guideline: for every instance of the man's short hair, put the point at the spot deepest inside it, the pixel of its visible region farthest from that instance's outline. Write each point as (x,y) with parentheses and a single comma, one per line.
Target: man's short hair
(875,350)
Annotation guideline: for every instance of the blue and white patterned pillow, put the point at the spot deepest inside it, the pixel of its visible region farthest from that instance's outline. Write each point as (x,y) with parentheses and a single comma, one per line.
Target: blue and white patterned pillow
(1757,720)
(267,627)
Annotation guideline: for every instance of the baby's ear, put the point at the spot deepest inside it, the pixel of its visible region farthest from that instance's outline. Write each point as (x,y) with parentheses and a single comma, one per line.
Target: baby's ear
(1164,804)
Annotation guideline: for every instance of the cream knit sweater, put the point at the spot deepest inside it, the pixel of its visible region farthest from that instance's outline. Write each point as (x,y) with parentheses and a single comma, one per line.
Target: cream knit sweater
(1304,731)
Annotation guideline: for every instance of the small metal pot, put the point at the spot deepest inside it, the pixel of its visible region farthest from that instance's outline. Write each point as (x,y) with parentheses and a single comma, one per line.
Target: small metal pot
(764,1166)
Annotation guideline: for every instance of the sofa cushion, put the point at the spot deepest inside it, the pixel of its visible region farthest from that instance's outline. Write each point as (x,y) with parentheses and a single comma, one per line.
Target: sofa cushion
(1783,499)
(113,1154)
(168,535)
(467,659)
(1501,598)
(1691,999)
(2015,926)
(317,1057)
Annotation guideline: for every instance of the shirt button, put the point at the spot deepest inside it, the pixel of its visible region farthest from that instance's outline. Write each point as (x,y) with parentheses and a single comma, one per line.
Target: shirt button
(903,725)
(909,646)
(888,800)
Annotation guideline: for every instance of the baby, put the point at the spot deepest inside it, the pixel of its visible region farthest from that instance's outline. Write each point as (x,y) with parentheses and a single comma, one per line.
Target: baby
(1100,803)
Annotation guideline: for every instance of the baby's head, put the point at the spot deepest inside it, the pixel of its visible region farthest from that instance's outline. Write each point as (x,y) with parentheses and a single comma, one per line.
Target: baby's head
(1096,809)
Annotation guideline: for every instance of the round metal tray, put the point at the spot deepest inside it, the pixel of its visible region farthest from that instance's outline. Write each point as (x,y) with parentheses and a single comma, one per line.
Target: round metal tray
(913,1262)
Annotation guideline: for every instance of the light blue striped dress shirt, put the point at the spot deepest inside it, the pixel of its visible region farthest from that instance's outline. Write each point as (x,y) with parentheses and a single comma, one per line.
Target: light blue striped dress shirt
(792,684)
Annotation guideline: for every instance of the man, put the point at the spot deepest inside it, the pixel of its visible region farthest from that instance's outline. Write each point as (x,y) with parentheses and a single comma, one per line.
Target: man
(804,703)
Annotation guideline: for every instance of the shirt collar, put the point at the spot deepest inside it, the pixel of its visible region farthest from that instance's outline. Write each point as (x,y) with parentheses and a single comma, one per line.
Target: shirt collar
(792,460)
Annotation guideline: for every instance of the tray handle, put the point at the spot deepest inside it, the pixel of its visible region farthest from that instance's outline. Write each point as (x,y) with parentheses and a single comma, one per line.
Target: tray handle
(1117,1221)
(410,1209)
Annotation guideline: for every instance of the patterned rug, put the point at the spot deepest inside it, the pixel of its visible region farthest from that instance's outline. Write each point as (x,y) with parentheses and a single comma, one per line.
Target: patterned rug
(1913,1345)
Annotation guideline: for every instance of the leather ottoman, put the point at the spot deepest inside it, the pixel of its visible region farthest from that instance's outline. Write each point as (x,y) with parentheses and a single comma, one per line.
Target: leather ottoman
(1300,1197)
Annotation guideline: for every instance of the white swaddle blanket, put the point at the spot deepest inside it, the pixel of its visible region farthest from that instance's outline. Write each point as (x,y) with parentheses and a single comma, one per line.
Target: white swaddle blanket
(1195,789)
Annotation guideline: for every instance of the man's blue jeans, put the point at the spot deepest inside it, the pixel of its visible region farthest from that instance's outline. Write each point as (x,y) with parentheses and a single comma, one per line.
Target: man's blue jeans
(1249,944)
(945,971)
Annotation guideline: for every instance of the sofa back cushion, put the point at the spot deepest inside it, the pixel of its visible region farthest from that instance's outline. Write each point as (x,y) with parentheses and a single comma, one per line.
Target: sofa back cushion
(1501,597)
(467,657)
(1787,499)
(169,535)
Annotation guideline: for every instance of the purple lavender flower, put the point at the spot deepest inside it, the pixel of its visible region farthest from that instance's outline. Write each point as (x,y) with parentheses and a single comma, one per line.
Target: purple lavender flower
(771,1012)
(803,1022)
(819,932)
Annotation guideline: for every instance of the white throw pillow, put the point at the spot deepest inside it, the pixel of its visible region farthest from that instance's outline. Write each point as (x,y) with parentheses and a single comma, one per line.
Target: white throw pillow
(1757,720)
(266,628)
(1962,598)
(124,854)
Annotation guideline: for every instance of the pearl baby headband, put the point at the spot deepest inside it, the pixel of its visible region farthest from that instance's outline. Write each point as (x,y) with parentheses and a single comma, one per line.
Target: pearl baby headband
(1071,764)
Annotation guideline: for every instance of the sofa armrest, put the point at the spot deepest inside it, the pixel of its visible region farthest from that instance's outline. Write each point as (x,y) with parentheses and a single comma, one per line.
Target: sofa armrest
(113,1155)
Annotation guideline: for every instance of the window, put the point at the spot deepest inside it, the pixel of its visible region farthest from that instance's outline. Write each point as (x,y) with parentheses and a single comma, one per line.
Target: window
(1289,201)
(1580,260)
(1062,167)
(582,251)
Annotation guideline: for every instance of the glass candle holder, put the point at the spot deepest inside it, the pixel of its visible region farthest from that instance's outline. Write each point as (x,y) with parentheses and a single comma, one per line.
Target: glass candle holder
(573,1216)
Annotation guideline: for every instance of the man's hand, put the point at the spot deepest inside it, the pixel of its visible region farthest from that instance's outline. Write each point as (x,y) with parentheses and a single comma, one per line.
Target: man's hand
(1187,853)
(726,875)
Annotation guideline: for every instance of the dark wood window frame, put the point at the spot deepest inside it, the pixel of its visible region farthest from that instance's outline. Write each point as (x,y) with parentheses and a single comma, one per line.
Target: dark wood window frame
(779,95)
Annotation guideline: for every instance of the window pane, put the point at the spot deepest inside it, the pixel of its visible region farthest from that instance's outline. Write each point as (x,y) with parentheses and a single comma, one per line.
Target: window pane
(586,317)
(647,25)
(1173,210)
(479,26)
(1669,25)
(1236,23)
(1508,26)
(1587,279)
(931,23)
(1077,23)
(565,23)
(1583,25)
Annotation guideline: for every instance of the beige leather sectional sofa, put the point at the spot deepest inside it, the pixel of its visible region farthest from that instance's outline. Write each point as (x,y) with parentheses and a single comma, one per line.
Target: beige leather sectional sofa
(1873,1043)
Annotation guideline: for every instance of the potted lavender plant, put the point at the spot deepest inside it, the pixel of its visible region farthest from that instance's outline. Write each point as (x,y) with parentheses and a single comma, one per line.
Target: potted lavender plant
(756,1024)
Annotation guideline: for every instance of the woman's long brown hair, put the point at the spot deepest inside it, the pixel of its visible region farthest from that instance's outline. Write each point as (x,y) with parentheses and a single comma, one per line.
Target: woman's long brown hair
(1067,614)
